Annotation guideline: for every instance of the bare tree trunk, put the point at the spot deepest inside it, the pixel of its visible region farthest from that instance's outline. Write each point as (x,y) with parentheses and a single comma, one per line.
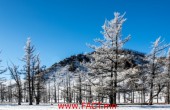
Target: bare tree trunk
(29,86)
(157,99)
(49,93)
(152,78)
(58,94)
(168,93)
(38,93)
(80,92)
(111,94)
(90,95)
(143,95)
(20,96)
(119,97)
(133,96)
(124,96)
(55,93)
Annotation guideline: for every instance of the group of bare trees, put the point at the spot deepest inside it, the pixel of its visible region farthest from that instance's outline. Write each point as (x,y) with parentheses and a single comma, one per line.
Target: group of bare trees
(108,65)
(32,71)
(113,75)
(27,84)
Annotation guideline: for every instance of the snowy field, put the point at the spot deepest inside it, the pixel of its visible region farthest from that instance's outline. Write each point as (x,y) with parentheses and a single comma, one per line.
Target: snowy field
(55,107)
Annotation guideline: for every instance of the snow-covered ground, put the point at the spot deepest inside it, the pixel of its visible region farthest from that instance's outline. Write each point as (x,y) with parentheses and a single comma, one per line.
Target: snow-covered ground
(55,107)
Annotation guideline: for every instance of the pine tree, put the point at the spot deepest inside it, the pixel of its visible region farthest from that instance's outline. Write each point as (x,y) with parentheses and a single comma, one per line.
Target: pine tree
(154,68)
(28,58)
(108,57)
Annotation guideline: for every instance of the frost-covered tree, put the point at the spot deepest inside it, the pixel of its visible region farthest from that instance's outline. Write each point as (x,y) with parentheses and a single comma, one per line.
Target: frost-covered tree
(155,68)
(16,75)
(64,83)
(54,88)
(79,79)
(2,70)
(34,68)
(28,58)
(143,72)
(107,58)
(167,72)
(58,81)
(39,80)
(2,80)
(3,91)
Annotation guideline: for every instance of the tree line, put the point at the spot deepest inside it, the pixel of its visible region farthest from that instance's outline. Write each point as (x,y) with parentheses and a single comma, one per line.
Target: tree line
(112,75)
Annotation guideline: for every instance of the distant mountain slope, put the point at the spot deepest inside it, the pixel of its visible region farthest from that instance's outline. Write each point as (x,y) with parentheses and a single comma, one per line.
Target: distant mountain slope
(72,62)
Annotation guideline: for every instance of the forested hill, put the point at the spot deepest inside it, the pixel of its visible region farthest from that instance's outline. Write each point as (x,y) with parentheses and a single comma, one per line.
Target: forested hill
(74,60)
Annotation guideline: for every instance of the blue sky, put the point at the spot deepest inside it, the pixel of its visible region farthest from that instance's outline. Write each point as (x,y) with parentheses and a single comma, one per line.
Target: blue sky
(61,28)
